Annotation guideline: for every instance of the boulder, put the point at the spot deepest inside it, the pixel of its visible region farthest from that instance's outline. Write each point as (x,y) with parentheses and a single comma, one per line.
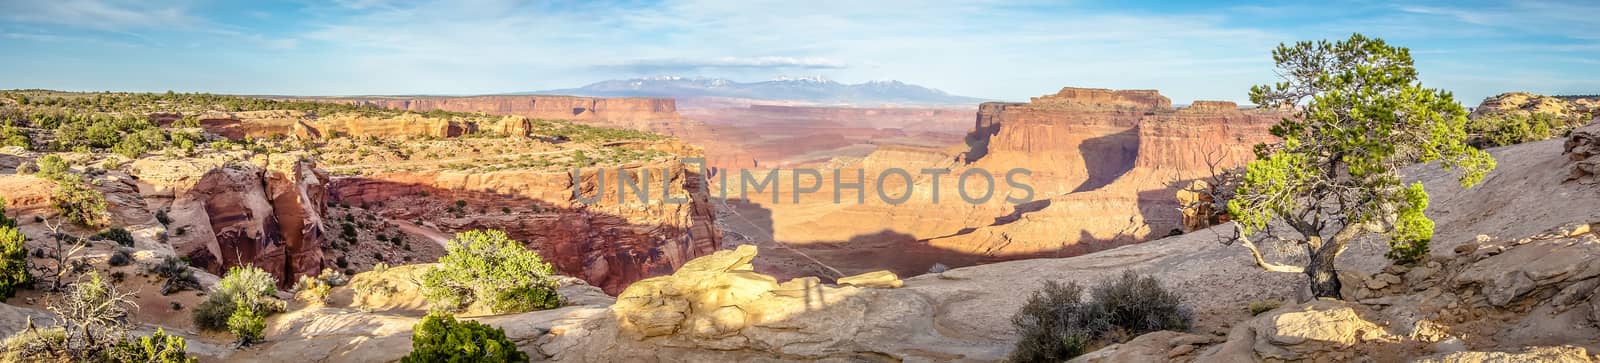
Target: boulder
(1318,329)
(1539,263)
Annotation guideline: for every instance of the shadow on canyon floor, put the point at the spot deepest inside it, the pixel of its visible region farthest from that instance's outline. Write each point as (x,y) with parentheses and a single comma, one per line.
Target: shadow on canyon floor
(593,243)
(883,249)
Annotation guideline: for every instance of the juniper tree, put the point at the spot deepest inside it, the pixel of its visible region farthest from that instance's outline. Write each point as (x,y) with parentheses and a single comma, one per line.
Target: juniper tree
(1359,116)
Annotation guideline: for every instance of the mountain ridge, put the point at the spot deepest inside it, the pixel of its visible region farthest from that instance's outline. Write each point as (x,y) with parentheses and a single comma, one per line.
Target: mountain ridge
(806,89)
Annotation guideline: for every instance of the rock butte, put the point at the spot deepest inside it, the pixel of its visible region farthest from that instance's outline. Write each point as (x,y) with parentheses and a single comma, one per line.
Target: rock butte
(1105,168)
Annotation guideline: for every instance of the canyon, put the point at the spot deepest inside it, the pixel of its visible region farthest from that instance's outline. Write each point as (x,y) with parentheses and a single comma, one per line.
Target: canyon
(273,212)
(1088,151)
(1106,167)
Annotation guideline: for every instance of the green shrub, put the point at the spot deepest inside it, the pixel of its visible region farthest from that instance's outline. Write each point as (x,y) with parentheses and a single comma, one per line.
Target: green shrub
(212,314)
(5,221)
(1057,324)
(486,267)
(52,167)
(156,348)
(525,298)
(247,325)
(119,235)
(79,203)
(1511,129)
(439,337)
(13,261)
(240,304)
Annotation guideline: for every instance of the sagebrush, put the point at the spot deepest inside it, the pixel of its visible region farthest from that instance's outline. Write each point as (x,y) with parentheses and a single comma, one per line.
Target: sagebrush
(1057,323)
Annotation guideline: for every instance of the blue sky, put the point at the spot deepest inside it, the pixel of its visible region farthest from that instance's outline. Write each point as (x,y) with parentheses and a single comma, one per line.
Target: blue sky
(993,49)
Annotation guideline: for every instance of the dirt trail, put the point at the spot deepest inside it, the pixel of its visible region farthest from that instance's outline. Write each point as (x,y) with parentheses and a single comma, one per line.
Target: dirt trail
(429,233)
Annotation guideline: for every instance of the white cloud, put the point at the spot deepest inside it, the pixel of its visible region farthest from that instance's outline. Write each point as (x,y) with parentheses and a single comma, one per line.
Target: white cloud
(96,14)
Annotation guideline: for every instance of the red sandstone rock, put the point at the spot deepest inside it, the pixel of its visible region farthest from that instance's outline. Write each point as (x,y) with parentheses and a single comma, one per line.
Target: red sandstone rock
(1101,165)
(609,244)
(237,214)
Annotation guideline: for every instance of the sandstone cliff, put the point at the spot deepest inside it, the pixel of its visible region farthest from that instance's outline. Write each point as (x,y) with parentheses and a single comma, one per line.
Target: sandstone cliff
(269,215)
(1105,167)
(610,244)
(1521,291)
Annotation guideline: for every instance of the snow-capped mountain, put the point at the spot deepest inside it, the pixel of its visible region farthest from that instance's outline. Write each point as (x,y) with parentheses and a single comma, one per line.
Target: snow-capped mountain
(803,89)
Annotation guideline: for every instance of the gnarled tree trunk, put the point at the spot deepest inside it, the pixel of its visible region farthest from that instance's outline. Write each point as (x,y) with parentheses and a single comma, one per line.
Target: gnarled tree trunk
(1320,271)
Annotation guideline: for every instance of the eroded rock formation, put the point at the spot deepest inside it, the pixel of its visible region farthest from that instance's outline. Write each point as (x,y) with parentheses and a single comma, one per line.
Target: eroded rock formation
(1527,103)
(1104,168)
(1583,148)
(269,215)
(608,243)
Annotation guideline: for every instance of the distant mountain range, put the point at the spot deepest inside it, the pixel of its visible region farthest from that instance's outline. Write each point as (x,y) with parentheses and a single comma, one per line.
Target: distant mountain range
(812,90)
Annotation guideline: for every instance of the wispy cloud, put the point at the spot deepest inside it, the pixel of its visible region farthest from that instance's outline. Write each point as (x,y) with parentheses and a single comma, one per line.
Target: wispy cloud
(97,14)
(986,48)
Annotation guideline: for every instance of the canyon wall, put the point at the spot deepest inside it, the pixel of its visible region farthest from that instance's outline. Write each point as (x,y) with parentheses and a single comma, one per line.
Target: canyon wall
(269,215)
(645,114)
(607,243)
(1105,166)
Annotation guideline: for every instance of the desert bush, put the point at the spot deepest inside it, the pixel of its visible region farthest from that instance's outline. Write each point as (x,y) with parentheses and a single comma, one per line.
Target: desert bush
(94,315)
(5,221)
(120,257)
(333,278)
(1261,306)
(212,314)
(240,304)
(51,167)
(13,261)
(486,267)
(348,232)
(36,345)
(119,235)
(439,337)
(525,298)
(156,348)
(1057,324)
(247,325)
(311,290)
(161,216)
(177,273)
(79,203)
(1511,129)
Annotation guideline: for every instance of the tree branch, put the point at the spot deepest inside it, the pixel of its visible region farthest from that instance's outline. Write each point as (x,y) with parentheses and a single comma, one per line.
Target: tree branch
(1262,261)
